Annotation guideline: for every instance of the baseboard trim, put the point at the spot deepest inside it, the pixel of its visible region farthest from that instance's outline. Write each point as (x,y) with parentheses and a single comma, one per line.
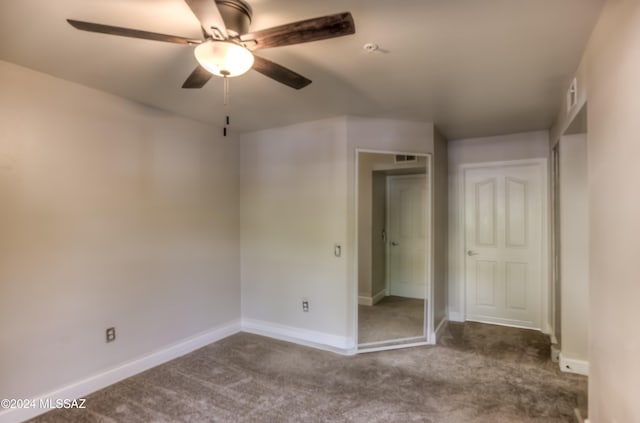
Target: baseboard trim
(369,301)
(392,347)
(365,301)
(395,342)
(571,365)
(379,296)
(84,387)
(455,316)
(338,344)
(579,418)
(440,329)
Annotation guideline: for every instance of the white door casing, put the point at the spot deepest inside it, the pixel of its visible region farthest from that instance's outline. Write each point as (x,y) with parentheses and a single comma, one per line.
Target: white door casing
(406,230)
(504,238)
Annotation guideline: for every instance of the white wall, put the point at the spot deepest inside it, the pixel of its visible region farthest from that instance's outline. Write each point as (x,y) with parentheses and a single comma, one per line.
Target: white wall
(293,196)
(608,75)
(574,250)
(111,214)
(522,146)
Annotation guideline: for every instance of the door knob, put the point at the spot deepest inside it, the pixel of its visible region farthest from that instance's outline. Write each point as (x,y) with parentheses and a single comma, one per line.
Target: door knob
(472,253)
(395,244)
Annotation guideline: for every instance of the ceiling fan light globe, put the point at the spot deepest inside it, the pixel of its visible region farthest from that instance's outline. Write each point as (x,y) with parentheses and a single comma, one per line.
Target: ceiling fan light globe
(224,58)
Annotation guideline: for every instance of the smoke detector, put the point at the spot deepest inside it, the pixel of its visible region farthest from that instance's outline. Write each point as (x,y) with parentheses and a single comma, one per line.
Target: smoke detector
(370,47)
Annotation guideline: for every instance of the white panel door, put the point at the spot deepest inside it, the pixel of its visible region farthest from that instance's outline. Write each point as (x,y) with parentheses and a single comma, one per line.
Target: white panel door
(406,229)
(503,240)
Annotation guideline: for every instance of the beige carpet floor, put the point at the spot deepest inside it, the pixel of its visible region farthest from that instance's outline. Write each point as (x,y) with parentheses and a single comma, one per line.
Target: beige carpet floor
(392,318)
(477,373)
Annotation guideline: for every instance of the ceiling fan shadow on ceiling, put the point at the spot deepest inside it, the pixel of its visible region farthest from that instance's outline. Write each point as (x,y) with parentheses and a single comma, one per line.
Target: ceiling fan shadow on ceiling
(227,47)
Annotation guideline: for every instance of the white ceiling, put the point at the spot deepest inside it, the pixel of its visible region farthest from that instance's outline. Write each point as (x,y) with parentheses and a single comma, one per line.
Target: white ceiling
(474,67)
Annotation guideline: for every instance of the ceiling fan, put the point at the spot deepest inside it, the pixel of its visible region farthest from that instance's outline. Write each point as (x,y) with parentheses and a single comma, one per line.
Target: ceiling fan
(227,47)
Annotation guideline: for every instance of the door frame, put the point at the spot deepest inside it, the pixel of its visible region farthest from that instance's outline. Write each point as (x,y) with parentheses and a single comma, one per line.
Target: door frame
(555,241)
(429,334)
(543,164)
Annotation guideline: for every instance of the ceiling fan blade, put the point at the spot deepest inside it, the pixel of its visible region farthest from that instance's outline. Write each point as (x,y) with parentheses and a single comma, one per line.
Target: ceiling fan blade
(198,78)
(315,29)
(132,33)
(209,16)
(279,73)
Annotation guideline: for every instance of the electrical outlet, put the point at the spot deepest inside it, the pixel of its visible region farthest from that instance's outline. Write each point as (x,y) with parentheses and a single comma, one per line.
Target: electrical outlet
(111,334)
(305,305)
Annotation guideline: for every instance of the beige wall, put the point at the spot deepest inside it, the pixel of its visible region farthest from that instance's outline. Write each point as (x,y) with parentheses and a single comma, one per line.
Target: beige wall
(297,190)
(111,214)
(378,224)
(609,75)
(529,145)
(574,250)
(365,223)
(440,229)
(293,191)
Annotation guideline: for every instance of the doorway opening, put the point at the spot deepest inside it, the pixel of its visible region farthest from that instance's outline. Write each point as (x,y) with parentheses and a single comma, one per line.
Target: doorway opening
(393,250)
(570,247)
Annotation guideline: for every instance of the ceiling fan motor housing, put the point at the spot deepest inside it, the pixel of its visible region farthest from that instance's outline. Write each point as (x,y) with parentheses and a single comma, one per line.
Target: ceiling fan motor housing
(236,14)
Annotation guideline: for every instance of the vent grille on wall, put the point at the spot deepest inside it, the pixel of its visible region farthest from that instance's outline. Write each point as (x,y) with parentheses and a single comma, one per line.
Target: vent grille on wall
(405,158)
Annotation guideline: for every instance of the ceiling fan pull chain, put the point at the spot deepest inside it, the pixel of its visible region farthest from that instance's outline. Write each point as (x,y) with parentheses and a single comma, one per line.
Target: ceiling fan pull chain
(226,102)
